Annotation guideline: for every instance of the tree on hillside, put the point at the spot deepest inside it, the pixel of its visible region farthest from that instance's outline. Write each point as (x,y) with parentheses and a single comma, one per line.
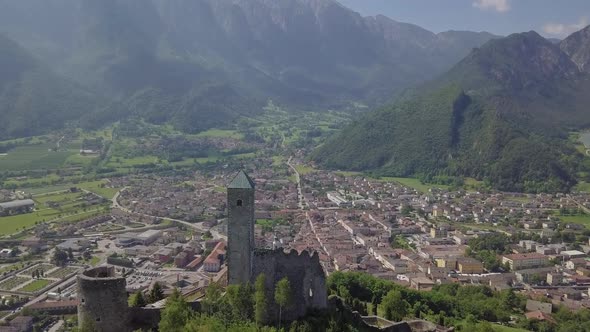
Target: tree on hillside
(60,257)
(260,302)
(283,296)
(176,313)
(509,299)
(240,300)
(212,299)
(156,294)
(393,306)
(137,300)
(70,254)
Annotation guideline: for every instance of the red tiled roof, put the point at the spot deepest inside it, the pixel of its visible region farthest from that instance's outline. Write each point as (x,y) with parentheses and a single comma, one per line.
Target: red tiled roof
(194,262)
(539,315)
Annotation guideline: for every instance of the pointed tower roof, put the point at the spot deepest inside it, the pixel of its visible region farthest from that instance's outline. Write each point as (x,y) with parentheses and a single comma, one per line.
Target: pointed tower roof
(241,181)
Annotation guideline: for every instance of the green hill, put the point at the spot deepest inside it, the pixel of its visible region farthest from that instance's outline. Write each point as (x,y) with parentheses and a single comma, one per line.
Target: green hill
(502,115)
(35,100)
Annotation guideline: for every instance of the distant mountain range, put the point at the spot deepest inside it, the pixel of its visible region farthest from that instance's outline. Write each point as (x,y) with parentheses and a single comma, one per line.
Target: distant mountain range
(34,99)
(204,63)
(502,114)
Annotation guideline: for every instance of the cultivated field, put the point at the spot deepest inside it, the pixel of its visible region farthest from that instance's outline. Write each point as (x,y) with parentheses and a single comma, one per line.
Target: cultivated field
(13,282)
(56,207)
(30,157)
(36,285)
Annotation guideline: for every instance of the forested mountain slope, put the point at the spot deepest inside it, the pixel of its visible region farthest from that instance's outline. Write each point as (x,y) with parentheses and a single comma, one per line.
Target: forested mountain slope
(161,57)
(502,114)
(33,99)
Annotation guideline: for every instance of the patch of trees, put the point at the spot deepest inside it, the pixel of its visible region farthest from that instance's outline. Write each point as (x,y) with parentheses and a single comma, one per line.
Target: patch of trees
(445,305)
(119,261)
(60,257)
(244,308)
(487,248)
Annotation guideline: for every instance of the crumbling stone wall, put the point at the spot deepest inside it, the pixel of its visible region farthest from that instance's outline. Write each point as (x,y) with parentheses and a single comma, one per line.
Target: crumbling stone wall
(103,300)
(305,274)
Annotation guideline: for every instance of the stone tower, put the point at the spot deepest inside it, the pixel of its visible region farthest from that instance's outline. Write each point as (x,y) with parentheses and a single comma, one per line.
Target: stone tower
(240,228)
(103,300)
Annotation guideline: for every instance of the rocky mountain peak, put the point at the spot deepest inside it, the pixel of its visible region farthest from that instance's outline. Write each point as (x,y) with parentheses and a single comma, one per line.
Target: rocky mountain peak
(521,60)
(577,47)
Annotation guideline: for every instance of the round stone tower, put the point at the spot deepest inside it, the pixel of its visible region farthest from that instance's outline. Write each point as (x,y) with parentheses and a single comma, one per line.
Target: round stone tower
(103,300)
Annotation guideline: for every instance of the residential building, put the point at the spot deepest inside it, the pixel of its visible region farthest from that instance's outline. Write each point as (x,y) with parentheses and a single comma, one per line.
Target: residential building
(469,266)
(525,261)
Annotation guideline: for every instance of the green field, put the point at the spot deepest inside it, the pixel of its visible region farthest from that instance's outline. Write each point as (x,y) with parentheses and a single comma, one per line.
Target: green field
(12,267)
(77,160)
(582,187)
(35,286)
(30,157)
(12,282)
(581,219)
(99,188)
(472,183)
(48,189)
(303,169)
(62,272)
(413,183)
(348,173)
(221,133)
(13,224)
(131,162)
(69,210)
(502,328)
(278,160)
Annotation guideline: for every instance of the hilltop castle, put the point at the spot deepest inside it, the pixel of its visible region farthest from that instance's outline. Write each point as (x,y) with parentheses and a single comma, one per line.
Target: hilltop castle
(246,262)
(103,295)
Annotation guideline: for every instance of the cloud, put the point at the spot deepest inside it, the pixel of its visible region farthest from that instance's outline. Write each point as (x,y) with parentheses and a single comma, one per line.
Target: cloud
(564,30)
(500,6)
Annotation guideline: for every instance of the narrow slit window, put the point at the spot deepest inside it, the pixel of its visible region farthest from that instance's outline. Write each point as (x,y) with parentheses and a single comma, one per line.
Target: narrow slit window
(239,203)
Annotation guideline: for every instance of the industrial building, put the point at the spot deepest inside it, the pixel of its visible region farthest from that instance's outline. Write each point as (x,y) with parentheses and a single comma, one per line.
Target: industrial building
(17,207)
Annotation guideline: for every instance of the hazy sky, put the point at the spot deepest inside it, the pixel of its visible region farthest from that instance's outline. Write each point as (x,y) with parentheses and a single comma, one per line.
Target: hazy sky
(551,18)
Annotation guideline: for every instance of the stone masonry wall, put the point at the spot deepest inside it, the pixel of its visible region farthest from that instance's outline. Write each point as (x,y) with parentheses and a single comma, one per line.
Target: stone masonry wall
(103,300)
(305,274)
(240,234)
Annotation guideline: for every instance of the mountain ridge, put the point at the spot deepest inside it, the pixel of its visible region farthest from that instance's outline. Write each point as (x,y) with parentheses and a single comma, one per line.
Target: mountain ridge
(30,92)
(502,115)
(312,54)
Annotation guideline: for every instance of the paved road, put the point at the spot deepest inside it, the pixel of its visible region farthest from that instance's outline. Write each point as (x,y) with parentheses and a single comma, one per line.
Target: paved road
(300,198)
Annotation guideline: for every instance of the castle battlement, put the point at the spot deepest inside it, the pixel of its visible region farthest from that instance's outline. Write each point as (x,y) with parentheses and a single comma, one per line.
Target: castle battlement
(246,263)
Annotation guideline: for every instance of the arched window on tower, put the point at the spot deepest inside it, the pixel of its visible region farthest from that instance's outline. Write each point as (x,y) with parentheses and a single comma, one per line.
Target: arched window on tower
(239,202)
